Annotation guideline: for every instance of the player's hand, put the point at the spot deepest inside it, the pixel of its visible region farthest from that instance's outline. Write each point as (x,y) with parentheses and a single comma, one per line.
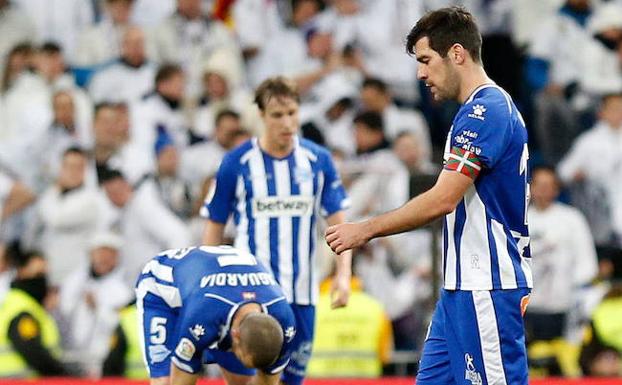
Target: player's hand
(339,291)
(345,236)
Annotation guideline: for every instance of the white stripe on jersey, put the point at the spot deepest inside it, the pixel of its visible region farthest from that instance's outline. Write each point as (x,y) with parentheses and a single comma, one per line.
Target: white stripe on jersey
(475,261)
(506,268)
(141,292)
(259,183)
(451,258)
(285,246)
(304,230)
(169,294)
(161,272)
(525,264)
(489,337)
(241,239)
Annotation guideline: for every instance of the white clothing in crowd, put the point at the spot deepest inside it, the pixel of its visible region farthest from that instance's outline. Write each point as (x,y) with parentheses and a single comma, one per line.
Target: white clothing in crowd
(99,43)
(122,82)
(152,112)
(15,27)
(564,257)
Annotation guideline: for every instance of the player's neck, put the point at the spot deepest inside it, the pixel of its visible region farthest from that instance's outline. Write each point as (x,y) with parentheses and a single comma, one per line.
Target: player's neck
(472,78)
(243,311)
(273,149)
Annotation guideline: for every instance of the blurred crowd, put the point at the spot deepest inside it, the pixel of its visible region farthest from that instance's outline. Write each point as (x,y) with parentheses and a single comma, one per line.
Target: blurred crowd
(115,114)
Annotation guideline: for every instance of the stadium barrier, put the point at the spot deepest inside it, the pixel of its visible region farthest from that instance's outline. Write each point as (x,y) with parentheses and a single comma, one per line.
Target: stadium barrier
(380,381)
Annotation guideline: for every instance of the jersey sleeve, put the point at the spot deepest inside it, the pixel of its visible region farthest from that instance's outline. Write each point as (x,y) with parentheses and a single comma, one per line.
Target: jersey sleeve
(333,196)
(197,331)
(220,200)
(478,138)
(284,315)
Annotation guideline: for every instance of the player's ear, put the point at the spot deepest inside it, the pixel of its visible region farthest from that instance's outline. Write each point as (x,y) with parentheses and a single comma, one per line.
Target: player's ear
(457,53)
(235,334)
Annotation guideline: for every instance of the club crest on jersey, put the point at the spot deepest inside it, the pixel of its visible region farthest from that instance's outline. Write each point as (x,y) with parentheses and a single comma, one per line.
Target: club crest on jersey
(185,350)
(197,331)
(249,295)
(302,175)
(470,373)
(478,112)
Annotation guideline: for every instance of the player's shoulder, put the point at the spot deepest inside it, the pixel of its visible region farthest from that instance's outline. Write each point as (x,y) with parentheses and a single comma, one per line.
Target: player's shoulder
(487,103)
(236,155)
(313,150)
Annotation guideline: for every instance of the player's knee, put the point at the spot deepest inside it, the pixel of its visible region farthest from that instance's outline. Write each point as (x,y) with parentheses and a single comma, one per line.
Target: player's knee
(160,381)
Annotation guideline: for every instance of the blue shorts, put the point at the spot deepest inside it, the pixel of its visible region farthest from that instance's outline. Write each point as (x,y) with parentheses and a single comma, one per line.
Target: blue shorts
(158,321)
(476,338)
(294,373)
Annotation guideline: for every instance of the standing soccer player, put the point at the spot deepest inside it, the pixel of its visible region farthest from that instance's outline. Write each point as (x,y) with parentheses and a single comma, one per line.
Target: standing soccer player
(477,333)
(275,186)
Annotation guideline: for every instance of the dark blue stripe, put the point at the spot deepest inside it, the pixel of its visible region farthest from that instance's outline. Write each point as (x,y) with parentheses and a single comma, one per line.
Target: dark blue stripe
(495,270)
(458,229)
(273,232)
(295,190)
(316,192)
(512,245)
(248,187)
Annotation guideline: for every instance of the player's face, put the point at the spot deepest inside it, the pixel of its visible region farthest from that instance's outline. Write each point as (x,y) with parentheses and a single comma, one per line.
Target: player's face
(280,117)
(437,72)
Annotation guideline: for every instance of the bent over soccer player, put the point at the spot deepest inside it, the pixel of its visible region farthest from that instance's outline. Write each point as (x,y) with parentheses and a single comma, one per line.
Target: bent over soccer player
(212,304)
(477,334)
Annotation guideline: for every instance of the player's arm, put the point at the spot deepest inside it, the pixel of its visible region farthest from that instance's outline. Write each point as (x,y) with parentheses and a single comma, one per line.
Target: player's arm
(179,377)
(219,201)
(340,290)
(213,233)
(440,200)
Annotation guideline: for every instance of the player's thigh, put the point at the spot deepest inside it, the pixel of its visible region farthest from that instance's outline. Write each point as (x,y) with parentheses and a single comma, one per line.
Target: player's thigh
(157,322)
(435,363)
(486,337)
(301,344)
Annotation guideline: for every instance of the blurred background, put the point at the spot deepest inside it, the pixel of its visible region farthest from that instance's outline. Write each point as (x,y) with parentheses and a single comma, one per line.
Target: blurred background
(115,114)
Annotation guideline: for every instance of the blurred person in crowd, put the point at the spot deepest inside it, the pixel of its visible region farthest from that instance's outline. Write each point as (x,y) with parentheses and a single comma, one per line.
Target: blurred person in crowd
(103,42)
(288,182)
(375,96)
(175,192)
(66,215)
(408,148)
(601,354)
(189,38)
(602,68)
(16,28)
(14,197)
(128,78)
(566,265)
(18,59)
(219,94)
(477,332)
(29,336)
(90,299)
(145,223)
(162,109)
(354,341)
(595,180)
(149,14)
(59,21)
(113,148)
(202,159)
(554,70)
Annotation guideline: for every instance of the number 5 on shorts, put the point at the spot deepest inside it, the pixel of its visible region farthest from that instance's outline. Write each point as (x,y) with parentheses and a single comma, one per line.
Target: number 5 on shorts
(158,330)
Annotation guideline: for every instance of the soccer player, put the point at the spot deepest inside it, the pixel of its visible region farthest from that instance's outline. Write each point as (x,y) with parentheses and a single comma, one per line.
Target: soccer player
(477,334)
(212,304)
(275,186)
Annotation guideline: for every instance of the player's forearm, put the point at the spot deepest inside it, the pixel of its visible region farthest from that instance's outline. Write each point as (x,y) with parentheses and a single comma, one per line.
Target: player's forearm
(344,260)
(213,233)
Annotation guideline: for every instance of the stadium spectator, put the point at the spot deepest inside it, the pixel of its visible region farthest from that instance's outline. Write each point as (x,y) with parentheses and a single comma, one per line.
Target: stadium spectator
(14,197)
(90,299)
(130,77)
(102,42)
(59,21)
(149,14)
(596,180)
(189,38)
(29,337)
(16,29)
(354,341)
(289,182)
(145,223)
(567,264)
(66,217)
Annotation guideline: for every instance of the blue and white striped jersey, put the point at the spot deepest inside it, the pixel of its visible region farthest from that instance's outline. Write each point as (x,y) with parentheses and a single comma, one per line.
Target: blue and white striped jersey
(275,203)
(486,238)
(204,286)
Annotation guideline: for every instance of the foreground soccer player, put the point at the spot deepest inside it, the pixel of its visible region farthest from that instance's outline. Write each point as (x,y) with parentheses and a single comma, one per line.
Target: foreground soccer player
(477,333)
(212,305)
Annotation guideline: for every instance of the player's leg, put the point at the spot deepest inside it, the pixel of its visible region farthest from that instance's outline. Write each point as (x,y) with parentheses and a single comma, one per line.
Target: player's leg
(302,344)
(157,322)
(435,365)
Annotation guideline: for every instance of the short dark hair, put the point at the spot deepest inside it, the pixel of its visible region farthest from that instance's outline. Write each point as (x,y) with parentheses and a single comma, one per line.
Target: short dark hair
(262,336)
(226,113)
(446,27)
(74,150)
(279,87)
(103,105)
(370,119)
(167,71)
(376,83)
(108,174)
(50,48)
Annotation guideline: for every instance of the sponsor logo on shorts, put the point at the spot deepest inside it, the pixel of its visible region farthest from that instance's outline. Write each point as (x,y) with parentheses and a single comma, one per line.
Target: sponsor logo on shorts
(272,207)
(470,373)
(158,353)
(185,350)
(197,331)
(290,332)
